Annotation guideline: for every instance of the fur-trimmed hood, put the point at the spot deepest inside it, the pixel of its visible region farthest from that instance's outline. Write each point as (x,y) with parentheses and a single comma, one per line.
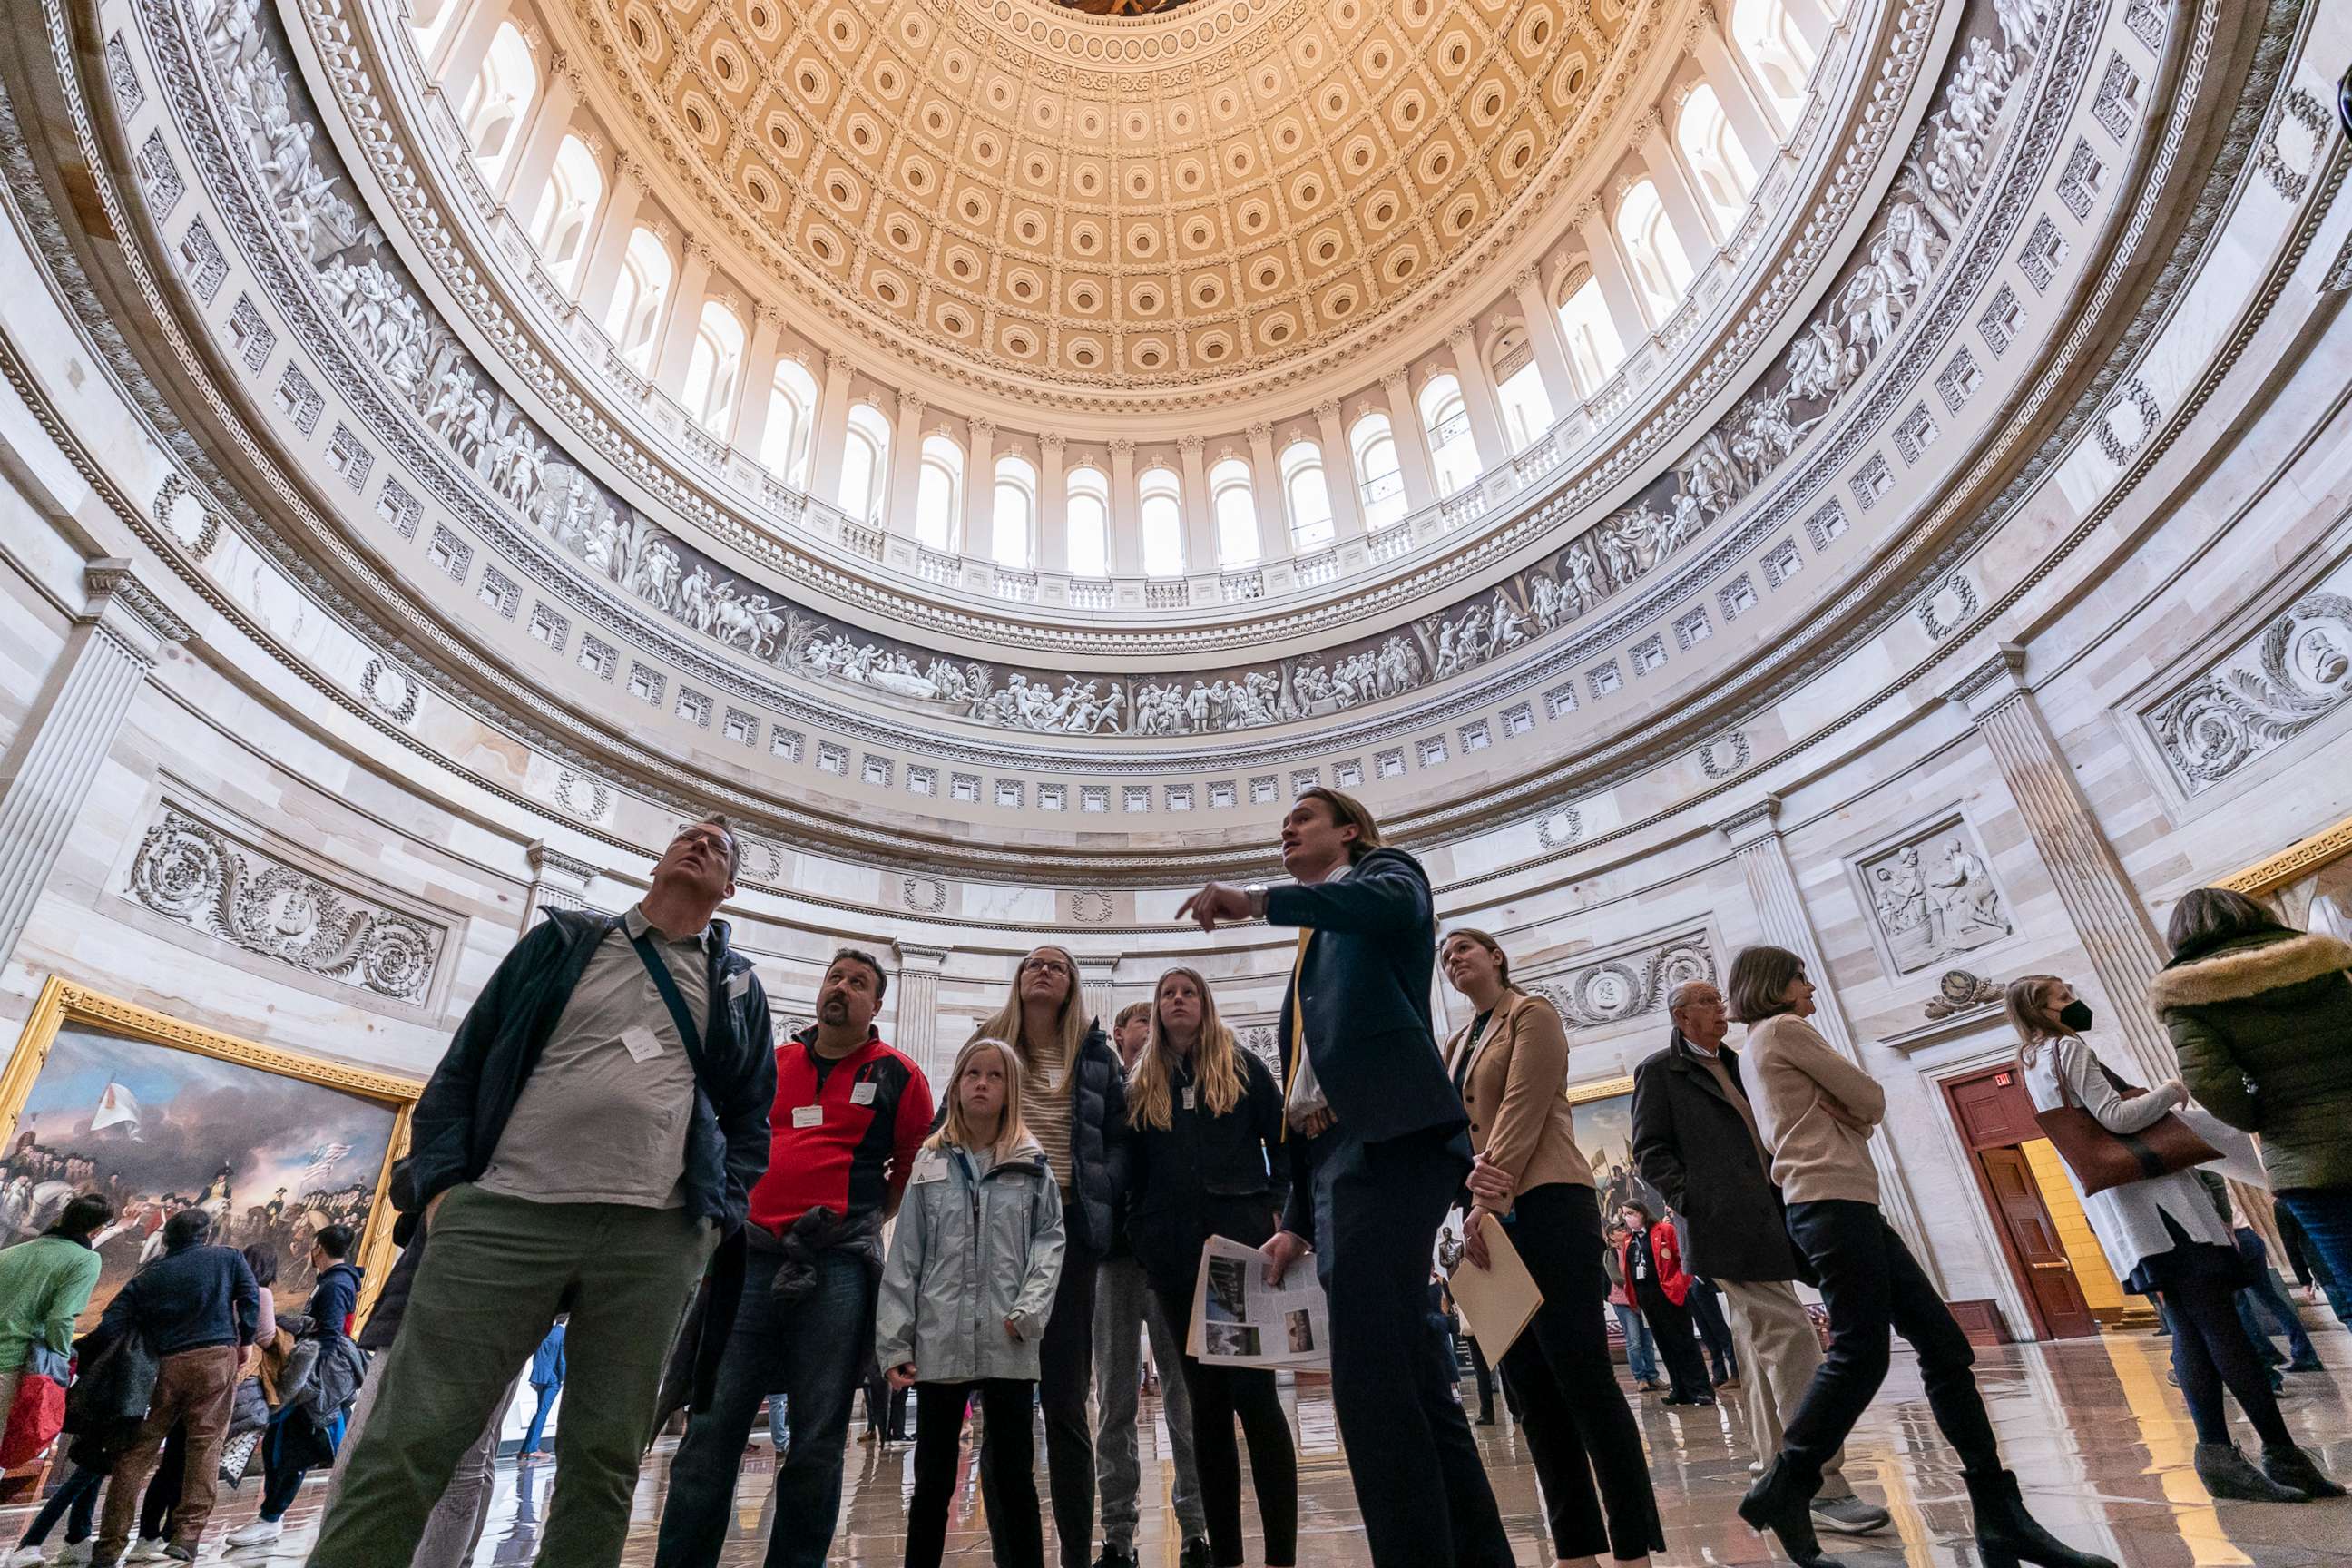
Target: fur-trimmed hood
(2232,972)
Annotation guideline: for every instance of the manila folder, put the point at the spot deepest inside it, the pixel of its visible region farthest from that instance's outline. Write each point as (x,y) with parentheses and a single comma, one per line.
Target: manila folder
(1498,1302)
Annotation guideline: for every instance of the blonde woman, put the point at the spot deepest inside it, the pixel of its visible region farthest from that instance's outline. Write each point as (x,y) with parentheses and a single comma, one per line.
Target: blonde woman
(1076,1110)
(1208,1161)
(972,1271)
(2161,1235)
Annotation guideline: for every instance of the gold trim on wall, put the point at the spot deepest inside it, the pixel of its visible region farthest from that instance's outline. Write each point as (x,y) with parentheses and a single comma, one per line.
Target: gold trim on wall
(2296,861)
(61,1001)
(1603,1088)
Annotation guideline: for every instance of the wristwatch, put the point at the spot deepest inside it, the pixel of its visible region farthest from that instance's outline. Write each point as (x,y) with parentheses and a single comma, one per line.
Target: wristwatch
(1256,893)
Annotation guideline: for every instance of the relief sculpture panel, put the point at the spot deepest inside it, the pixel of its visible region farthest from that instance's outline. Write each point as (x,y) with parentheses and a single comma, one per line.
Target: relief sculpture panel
(2287,677)
(1931,896)
(1627,985)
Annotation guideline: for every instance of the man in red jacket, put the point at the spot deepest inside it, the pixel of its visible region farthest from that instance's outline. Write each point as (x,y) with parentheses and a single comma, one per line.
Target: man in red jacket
(850,1113)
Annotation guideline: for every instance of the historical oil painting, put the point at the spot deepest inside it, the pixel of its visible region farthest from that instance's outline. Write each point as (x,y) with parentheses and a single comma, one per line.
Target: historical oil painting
(101,1096)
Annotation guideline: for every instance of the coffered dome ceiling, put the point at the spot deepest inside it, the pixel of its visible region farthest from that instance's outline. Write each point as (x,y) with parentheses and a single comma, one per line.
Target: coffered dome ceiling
(1027,195)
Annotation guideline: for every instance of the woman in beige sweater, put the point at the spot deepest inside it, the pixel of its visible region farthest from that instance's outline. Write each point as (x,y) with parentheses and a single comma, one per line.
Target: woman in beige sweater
(1815,1111)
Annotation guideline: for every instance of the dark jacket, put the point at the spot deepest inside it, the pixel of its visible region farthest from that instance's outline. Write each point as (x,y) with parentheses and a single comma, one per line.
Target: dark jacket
(114,1382)
(334,1297)
(1692,1144)
(1205,1174)
(392,1302)
(1365,986)
(190,1300)
(463,1111)
(2263,1023)
(1098,1144)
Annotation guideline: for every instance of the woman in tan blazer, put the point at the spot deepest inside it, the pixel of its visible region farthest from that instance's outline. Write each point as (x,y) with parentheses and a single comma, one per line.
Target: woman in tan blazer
(1510,1063)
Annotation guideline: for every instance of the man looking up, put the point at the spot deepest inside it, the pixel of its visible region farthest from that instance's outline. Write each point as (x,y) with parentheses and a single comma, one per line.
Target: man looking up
(587,1142)
(850,1115)
(1124,1307)
(1695,1139)
(1379,1147)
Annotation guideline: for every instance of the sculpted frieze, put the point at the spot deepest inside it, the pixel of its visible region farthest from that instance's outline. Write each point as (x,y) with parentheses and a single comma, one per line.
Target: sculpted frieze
(1931,896)
(1627,985)
(451,397)
(2292,675)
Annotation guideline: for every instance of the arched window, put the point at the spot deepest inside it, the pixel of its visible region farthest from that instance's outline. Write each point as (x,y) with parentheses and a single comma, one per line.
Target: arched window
(1236,507)
(1593,346)
(1307,495)
(1725,175)
(559,230)
(1016,516)
(1660,266)
(939,493)
(1782,60)
(1160,520)
(1086,498)
(1520,388)
(495,101)
(714,368)
(1380,476)
(791,411)
(638,296)
(1451,445)
(863,452)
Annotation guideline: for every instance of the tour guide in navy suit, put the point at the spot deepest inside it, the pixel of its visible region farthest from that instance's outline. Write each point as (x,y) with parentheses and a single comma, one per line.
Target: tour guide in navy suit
(1380,1147)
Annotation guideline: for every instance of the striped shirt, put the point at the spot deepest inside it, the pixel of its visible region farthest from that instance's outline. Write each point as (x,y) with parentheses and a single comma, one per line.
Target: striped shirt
(1046,1097)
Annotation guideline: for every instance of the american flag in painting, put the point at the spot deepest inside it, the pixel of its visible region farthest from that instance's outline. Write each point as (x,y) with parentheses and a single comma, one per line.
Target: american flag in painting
(322,1160)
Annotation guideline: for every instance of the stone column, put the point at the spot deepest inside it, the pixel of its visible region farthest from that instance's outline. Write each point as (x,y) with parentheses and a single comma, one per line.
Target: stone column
(1201,553)
(524,177)
(915,1012)
(611,246)
(1544,336)
(831,431)
(2109,919)
(906,463)
(979,543)
(1615,278)
(1780,912)
(558,881)
(757,386)
(1097,980)
(1126,528)
(1053,504)
(1338,475)
(1691,215)
(1479,397)
(48,771)
(1273,522)
(681,318)
(1751,122)
(464,48)
(1412,443)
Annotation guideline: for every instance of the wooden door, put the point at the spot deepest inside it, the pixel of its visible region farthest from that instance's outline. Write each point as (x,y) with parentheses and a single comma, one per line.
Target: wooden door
(2042,1269)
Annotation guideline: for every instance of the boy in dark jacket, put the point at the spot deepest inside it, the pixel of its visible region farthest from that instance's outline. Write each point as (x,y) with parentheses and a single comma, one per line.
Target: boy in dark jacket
(288,1445)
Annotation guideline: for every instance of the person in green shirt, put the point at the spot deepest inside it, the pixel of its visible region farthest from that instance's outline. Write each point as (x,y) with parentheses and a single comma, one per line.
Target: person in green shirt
(44,1285)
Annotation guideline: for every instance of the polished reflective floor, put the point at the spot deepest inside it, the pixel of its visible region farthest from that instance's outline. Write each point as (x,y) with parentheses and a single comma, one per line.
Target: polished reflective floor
(2100,1442)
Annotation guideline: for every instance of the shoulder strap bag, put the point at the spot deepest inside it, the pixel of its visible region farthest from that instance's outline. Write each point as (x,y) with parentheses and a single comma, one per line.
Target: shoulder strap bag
(2101,1159)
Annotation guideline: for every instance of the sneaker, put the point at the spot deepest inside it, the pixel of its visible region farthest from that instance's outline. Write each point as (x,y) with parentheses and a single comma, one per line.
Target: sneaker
(1116,1557)
(260,1533)
(1195,1555)
(175,1552)
(74,1553)
(144,1550)
(1850,1515)
(2306,1364)
(24,1557)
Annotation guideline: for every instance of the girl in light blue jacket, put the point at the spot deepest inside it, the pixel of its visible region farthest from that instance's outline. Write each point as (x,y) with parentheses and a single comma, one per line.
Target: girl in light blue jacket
(965,1297)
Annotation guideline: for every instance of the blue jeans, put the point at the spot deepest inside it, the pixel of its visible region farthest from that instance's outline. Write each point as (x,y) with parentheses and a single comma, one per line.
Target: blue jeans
(1641,1351)
(75,1501)
(813,1352)
(2325,1215)
(546,1392)
(2264,1296)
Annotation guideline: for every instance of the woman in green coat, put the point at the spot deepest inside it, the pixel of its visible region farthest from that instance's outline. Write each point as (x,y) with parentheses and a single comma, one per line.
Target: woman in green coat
(2261,1015)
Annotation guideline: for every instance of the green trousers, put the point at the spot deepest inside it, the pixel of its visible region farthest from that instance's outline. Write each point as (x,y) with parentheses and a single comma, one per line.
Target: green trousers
(495,1272)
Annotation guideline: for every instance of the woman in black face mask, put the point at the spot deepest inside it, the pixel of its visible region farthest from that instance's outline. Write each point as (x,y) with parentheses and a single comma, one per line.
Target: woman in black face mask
(2162,1235)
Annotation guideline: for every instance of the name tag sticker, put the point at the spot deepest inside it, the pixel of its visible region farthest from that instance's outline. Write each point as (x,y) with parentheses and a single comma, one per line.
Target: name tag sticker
(931,1168)
(640,1043)
(862,1093)
(808,1115)
(1191,1096)
(739,982)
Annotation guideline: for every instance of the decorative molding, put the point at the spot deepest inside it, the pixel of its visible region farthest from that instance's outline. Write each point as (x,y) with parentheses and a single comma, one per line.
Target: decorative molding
(231,890)
(2293,674)
(1629,984)
(1929,894)
(114,581)
(1961,991)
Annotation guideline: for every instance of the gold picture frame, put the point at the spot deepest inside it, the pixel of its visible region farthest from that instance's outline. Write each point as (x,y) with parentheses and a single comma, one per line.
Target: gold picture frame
(64,1010)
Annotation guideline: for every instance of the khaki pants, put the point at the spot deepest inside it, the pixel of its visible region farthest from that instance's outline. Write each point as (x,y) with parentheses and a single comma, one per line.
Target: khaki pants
(1778,1355)
(195,1386)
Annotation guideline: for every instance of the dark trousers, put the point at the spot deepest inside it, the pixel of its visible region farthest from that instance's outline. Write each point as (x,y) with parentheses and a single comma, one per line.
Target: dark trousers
(75,1501)
(1065,1371)
(1872,1285)
(2211,1350)
(1670,1325)
(282,1478)
(163,1492)
(2325,1215)
(886,1409)
(812,1352)
(1376,1209)
(2266,1299)
(1219,1395)
(1707,1312)
(1007,1459)
(1573,1410)
(1482,1375)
